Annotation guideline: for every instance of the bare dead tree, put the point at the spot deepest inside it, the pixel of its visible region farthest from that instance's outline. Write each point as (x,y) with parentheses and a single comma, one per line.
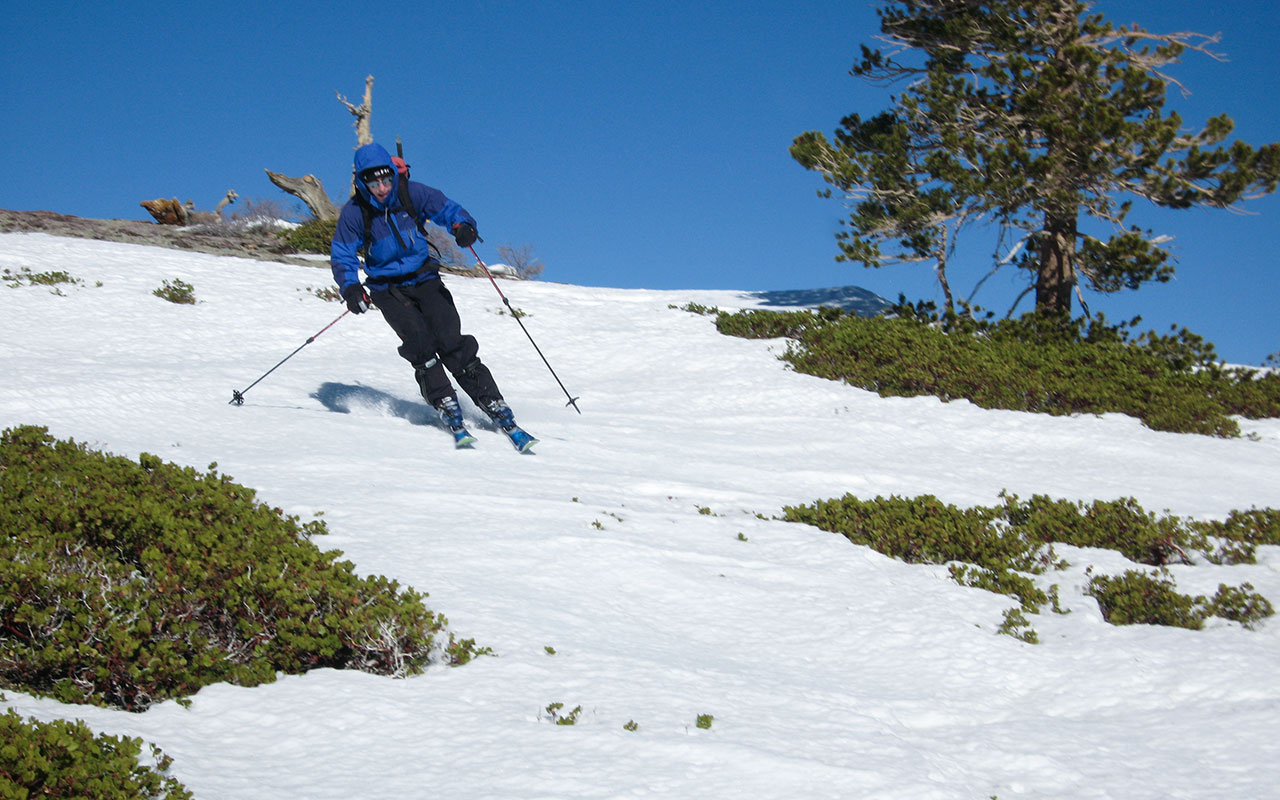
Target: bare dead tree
(361,112)
(226,201)
(308,188)
(521,259)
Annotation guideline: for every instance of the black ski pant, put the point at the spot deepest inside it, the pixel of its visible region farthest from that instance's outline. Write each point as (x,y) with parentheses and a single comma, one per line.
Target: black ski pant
(424,317)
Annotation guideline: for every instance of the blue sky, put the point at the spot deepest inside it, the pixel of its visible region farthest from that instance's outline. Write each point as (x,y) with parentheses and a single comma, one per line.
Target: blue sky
(634,145)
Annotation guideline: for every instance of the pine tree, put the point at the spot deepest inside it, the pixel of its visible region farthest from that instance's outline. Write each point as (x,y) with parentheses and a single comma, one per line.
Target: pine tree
(1028,115)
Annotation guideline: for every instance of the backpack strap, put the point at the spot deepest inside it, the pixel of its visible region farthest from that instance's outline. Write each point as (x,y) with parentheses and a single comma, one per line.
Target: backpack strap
(367,212)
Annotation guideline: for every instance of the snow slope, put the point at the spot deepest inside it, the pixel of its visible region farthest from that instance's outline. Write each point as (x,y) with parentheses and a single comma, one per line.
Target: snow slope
(830,670)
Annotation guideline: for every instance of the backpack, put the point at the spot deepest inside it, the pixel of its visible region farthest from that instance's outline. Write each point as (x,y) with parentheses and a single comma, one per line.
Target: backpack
(406,204)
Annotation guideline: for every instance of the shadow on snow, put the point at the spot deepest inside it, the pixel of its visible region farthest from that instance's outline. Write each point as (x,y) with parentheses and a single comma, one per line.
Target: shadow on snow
(341,397)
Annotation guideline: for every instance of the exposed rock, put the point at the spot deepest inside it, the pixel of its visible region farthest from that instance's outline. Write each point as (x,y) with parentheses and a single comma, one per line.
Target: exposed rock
(223,239)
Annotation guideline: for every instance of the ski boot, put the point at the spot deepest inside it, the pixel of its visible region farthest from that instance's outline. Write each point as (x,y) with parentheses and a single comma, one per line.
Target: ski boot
(451,415)
(501,415)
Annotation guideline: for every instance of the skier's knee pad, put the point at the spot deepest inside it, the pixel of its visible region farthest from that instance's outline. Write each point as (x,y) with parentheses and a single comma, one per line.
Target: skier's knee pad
(469,370)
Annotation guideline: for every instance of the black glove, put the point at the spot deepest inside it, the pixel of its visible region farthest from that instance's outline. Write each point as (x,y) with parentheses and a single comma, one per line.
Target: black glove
(357,299)
(464,233)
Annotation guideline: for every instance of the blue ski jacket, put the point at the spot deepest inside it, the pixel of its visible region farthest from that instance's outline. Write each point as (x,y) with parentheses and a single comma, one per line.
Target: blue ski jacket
(398,253)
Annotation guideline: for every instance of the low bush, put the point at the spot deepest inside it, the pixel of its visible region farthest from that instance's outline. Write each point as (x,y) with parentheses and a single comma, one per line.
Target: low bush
(1238,536)
(125,583)
(924,530)
(1121,525)
(329,294)
(1001,581)
(1240,604)
(66,759)
(1035,363)
(14,279)
(554,713)
(996,548)
(1139,598)
(177,291)
(312,236)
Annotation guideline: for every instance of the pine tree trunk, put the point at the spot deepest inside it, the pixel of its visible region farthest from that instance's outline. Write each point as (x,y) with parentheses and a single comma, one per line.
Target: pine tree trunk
(940,259)
(1057,276)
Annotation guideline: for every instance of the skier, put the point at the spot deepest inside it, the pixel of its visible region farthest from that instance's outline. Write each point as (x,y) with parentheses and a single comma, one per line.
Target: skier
(402,278)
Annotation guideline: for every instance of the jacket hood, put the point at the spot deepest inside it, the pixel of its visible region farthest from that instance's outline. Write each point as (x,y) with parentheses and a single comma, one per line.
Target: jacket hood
(375,155)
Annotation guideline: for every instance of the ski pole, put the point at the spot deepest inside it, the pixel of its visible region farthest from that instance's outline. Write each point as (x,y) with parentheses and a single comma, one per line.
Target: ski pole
(237,397)
(573,401)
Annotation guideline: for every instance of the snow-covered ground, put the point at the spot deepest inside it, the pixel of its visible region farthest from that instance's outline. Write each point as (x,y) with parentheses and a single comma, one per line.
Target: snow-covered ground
(830,670)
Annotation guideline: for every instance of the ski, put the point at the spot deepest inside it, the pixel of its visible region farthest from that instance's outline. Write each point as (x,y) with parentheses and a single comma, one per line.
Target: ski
(462,438)
(519,438)
(501,415)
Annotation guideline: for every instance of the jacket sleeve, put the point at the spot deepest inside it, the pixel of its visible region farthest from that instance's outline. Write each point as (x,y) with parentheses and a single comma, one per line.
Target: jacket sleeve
(432,204)
(344,250)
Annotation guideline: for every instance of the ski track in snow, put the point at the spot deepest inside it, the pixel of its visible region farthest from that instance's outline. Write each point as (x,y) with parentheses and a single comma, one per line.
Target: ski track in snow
(831,671)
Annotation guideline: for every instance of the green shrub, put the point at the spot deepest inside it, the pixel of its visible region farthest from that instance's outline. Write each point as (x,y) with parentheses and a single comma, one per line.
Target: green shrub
(66,759)
(1017,625)
(1241,532)
(924,530)
(1121,525)
(1249,393)
(177,291)
(126,583)
(1124,526)
(697,308)
(1034,363)
(1002,581)
(312,236)
(14,279)
(756,324)
(329,294)
(554,714)
(1136,598)
(1240,604)
(995,548)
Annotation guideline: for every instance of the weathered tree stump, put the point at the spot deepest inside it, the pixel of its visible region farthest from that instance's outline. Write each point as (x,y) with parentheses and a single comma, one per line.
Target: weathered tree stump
(308,188)
(169,212)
